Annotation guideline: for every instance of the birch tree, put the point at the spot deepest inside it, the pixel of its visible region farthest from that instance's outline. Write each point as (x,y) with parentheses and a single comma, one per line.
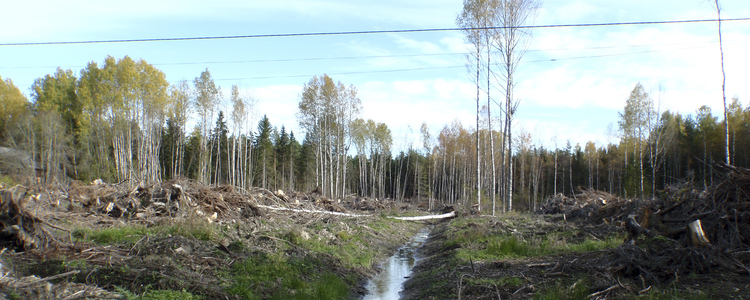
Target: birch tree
(58,119)
(326,111)
(475,20)
(634,122)
(511,16)
(95,92)
(242,107)
(207,97)
(178,110)
(728,159)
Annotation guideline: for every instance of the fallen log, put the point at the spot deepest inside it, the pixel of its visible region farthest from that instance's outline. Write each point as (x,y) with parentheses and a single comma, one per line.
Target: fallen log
(313,211)
(420,218)
(423,218)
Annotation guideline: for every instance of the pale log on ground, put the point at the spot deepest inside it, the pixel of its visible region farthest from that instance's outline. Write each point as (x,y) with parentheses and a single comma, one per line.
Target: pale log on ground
(432,217)
(420,218)
(313,211)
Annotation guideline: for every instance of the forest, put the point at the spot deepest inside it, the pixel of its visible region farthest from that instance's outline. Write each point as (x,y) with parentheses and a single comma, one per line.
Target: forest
(122,120)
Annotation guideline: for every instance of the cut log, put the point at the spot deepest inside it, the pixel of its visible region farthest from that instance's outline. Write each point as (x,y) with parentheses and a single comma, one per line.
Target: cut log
(313,211)
(423,218)
(697,235)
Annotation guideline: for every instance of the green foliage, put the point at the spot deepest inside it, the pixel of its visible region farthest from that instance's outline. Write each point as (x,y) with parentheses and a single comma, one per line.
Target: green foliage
(200,229)
(476,240)
(353,252)
(169,295)
(579,290)
(112,235)
(7,181)
(509,247)
(275,276)
(13,104)
(344,235)
(157,295)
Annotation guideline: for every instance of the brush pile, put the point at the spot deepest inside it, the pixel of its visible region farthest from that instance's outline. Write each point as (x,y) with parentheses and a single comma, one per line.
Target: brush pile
(687,231)
(31,234)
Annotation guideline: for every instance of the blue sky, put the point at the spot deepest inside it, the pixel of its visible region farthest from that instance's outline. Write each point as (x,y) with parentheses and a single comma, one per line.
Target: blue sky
(403,79)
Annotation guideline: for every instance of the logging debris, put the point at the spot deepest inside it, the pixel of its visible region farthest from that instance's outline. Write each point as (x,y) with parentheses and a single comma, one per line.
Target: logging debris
(685,230)
(41,251)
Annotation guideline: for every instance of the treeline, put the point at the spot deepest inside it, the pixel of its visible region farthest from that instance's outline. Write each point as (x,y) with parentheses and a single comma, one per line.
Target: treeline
(123,121)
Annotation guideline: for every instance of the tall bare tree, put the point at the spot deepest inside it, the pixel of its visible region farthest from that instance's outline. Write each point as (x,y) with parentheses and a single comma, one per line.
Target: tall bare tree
(179,109)
(717,6)
(207,97)
(474,19)
(512,43)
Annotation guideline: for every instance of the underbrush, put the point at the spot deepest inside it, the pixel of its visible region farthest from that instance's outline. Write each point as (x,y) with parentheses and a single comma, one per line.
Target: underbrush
(487,239)
(300,257)
(579,290)
(276,276)
(159,295)
(200,230)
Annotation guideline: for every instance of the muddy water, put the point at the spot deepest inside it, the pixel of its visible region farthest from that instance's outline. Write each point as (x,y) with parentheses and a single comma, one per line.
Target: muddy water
(387,284)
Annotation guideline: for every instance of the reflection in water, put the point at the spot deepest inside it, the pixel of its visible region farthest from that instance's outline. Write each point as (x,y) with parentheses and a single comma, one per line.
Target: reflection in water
(390,281)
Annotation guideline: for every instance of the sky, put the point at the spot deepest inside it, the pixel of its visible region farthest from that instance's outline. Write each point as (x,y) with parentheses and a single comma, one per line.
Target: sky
(571,83)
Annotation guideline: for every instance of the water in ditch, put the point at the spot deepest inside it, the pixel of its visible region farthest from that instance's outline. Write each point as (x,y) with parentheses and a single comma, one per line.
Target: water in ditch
(387,284)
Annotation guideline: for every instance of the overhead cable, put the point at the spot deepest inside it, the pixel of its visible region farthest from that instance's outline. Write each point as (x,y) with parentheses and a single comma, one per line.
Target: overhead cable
(273,35)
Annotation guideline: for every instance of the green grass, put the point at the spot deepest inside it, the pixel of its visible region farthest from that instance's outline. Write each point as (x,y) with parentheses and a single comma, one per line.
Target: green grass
(200,230)
(7,181)
(477,240)
(352,250)
(495,247)
(275,276)
(112,235)
(158,295)
(578,290)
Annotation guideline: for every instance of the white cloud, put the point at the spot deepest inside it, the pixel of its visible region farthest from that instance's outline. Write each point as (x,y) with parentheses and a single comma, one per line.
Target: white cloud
(400,104)
(279,103)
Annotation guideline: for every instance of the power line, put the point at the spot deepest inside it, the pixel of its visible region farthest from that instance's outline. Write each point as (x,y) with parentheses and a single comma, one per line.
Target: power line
(360,32)
(459,66)
(401,55)
(343,73)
